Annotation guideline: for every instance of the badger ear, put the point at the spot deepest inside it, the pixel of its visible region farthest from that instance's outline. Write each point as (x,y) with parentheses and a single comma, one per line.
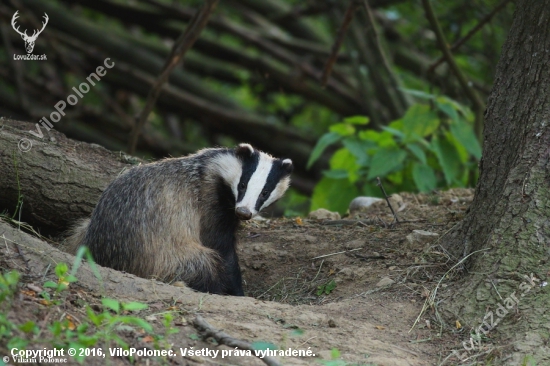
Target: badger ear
(244,150)
(287,166)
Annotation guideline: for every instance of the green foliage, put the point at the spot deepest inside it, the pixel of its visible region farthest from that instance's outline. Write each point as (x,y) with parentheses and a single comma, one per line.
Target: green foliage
(326,289)
(96,328)
(263,346)
(432,146)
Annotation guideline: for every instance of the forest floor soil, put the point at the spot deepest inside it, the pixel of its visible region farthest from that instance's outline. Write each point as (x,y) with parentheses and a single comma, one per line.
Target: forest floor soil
(351,291)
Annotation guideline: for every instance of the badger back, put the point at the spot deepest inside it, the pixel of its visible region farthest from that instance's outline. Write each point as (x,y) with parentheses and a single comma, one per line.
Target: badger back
(256,179)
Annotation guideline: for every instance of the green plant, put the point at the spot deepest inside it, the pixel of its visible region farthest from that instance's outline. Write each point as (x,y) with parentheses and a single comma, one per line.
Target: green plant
(96,328)
(432,146)
(327,288)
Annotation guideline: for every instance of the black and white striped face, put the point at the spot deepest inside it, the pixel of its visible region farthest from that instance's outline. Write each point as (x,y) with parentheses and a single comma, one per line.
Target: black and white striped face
(256,180)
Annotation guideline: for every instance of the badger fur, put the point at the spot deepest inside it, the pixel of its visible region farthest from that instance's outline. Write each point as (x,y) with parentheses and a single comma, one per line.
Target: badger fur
(175,220)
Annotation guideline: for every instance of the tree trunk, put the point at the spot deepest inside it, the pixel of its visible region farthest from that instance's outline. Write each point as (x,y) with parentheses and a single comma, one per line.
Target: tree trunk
(59,180)
(507,232)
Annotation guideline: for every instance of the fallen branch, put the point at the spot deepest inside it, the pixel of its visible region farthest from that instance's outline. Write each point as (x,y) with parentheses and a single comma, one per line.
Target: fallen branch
(181,46)
(478,104)
(331,254)
(469,35)
(353,6)
(224,338)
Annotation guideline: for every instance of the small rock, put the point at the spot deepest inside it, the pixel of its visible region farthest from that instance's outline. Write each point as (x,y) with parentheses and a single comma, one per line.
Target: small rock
(179,284)
(391,268)
(386,281)
(35,288)
(361,204)
(354,244)
(396,201)
(421,236)
(331,323)
(322,214)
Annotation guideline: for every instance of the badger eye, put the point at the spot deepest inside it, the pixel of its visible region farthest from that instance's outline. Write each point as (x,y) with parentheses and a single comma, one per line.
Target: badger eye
(265,193)
(242,186)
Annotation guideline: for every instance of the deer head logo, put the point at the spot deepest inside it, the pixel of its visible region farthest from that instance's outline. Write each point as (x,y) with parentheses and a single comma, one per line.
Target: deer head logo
(29,40)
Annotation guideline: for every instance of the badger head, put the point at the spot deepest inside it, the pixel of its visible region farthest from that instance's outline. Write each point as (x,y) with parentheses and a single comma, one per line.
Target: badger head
(260,180)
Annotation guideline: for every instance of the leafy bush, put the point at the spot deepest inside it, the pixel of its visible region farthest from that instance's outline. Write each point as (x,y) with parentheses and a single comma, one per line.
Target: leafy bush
(432,146)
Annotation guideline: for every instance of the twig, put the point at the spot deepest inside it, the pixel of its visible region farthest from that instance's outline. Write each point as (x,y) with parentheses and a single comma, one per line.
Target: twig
(469,35)
(393,79)
(224,338)
(431,299)
(353,6)
(331,254)
(379,184)
(181,46)
(478,104)
(345,222)
(368,257)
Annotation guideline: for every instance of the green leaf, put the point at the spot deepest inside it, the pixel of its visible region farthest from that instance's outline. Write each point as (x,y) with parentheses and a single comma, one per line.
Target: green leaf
(50,284)
(336,174)
(342,129)
(424,177)
(344,160)
(330,286)
(369,135)
(394,132)
(70,278)
(325,141)
(448,158)
(28,327)
(96,319)
(194,337)
(263,346)
(358,149)
(335,353)
(78,347)
(447,108)
(418,152)
(136,321)
(385,161)
(111,304)
(16,342)
(297,332)
(357,120)
(418,93)
(419,121)
(133,306)
(464,134)
(61,269)
(333,194)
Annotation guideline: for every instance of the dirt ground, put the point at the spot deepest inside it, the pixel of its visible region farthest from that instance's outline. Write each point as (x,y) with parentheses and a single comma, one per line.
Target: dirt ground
(349,290)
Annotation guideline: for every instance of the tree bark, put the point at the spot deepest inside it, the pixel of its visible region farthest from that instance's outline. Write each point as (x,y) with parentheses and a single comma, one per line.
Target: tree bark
(59,180)
(508,228)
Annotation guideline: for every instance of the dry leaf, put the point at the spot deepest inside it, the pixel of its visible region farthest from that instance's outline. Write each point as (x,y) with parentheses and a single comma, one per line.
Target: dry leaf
(379,327)
(458,325)
(28,293)
(299,221)
(147,339)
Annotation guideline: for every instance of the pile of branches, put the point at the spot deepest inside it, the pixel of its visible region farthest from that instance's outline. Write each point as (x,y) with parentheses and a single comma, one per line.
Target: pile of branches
(348,57)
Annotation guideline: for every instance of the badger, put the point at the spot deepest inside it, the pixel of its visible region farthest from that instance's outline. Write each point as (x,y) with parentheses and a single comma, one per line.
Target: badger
(176,219)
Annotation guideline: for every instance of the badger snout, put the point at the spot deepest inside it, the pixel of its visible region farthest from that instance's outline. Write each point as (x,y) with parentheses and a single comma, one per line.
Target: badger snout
(243,213)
